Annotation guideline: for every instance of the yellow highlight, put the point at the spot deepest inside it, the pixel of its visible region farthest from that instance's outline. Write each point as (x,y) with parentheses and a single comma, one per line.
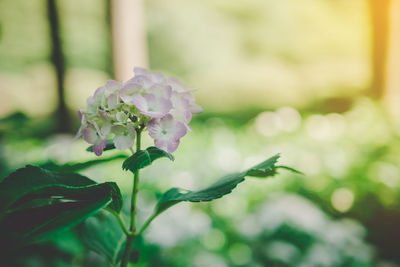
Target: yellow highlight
(342,199)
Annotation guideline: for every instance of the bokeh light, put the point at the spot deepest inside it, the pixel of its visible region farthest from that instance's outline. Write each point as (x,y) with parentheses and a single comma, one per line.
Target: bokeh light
(315,81)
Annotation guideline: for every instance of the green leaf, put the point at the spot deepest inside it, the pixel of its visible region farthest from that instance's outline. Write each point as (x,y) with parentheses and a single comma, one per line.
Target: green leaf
(109,146)
(264,169)
(144,158)
(27,225)
(35,202)
(74,167)
(221,187)
(103,234)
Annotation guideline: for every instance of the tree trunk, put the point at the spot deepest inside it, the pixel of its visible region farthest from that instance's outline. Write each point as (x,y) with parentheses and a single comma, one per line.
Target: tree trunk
(57,58)
(128,37)
(392,94)
(379,11)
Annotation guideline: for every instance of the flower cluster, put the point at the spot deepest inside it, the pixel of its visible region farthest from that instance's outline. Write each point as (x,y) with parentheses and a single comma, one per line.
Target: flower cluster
(119,110)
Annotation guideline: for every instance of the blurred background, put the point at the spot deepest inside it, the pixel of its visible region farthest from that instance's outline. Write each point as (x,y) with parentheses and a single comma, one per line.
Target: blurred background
(314,80)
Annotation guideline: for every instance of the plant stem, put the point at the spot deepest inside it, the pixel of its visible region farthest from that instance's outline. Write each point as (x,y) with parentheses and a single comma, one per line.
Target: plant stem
(135,188)
(147,223)
(132,228)
(120,221)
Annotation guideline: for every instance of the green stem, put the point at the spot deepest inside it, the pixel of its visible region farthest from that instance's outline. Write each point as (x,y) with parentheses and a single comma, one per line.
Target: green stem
(135,188)
(132,228)
(146,224)
(120,221)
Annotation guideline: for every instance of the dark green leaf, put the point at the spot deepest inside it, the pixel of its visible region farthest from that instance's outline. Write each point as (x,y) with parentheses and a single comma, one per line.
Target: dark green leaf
(27,225)
(109,146)
(35,202)
(74,167)
(223,186)
(289,169)
(103,234)
(264,169)
(156,153)
(143,158)
(31,178)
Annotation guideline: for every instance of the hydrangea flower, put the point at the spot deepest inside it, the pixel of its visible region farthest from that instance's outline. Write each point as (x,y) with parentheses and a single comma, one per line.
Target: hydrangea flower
(92,135)
(152,106)
(166,132)
(118,111)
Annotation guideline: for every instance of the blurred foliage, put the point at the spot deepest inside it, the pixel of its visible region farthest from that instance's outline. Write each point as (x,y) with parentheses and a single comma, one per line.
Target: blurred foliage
(256,54)
(343,212)
(246,58)
(262,53)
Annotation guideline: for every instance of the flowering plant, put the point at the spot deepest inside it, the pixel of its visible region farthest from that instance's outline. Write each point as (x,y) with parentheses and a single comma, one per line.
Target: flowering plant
(115,118)
(124,109)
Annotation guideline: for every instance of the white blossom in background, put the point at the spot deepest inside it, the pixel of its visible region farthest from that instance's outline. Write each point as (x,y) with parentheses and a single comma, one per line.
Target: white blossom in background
(118,110)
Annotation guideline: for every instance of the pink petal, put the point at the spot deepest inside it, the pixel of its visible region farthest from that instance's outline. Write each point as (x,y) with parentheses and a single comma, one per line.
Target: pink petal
(143,82)
(90,134)
(163,105)
(80,115)
(112,86)
(169,146)
(157,78)
(90,100)
(176,85)
(140,102)
(78,134)
(180,110)
(152,106)
(82,119)
(99,92)
(127,99)
(112,101)
(163,91)
(99,146)
(128,91)
(194,108)
(172,146)
(161,144)
(180,130)
(166,132)
(154,128)
(141,71)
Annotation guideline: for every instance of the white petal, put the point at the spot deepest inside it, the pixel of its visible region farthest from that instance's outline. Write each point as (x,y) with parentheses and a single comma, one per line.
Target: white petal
(106,128)
(121,117)
(123,142)
(113,101)
(124,136)
(112,87)
(141,71)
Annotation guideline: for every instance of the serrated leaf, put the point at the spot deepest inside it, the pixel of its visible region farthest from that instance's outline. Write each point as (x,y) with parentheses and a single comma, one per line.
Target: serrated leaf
(223,186)
(144,158)
(35,202)
(264,169)
(109,146)
(103,234)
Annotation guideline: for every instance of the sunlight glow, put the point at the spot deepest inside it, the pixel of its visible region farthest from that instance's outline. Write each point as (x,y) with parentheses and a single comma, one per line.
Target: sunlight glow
(342,199)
